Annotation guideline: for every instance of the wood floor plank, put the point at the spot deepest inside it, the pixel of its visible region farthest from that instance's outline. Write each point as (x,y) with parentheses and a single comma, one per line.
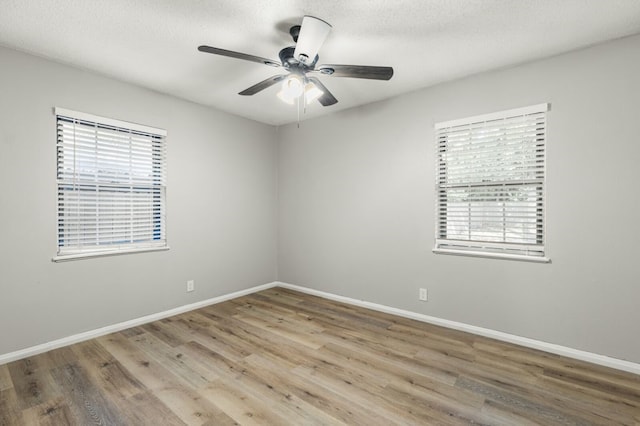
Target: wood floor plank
(279,315)
(326,400)
(364,397)
(173,359)
(148,408)
(271,374)
(188,324)
(259,340)
(58,357)
(586,380)
(598,401)
(313,341)
(283,295)
(51,413)
(163,333)
(518,404)
(225,343)
(500,415)
(287,358)
(133,331)
(106,371)
(86,401)
(387,361)
(244,408)
(31,381)
(190,407)
(347,367)
(523,383)
(256,382)
(430,409)
(169,388)
(144,368)
(10,411)
(5,378)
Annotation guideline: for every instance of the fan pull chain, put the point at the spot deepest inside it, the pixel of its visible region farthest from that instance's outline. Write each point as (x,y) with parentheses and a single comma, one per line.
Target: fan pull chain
(304,101)
(298,110)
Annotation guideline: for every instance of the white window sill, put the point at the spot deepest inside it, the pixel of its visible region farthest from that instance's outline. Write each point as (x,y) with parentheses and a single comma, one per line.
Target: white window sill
(471,253)
(88,255)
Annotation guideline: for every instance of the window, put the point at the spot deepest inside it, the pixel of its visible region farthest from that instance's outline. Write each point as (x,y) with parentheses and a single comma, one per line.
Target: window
(111,186)
(491,185)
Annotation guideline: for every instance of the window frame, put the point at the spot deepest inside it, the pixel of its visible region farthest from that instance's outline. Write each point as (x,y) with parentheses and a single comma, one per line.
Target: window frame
(485,248)
(154,186)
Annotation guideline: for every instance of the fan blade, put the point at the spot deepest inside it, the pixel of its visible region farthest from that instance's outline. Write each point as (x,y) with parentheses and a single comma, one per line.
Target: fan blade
(327,98)
(238,55)
(313,32)
(356,71)
(262,85)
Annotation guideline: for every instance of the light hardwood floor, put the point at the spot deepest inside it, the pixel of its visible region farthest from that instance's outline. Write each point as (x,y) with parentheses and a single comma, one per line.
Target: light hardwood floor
(281,357)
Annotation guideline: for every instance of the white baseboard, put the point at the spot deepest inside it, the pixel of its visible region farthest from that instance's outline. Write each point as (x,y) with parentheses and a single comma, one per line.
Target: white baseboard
(603,360)
(498,335)
(80,337)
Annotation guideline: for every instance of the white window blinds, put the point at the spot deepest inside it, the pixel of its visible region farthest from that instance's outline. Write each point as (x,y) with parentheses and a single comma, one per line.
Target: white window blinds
(111,186)
(490,189)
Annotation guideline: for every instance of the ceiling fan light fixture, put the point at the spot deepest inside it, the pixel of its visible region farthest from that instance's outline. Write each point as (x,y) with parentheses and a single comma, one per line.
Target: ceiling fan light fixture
(300,60)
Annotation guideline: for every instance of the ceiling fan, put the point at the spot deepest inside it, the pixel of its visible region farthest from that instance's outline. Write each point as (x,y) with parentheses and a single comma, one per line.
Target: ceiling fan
(300,63)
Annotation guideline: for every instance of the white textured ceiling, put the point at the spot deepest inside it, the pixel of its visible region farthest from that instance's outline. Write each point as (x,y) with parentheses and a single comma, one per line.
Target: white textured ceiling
(153,43)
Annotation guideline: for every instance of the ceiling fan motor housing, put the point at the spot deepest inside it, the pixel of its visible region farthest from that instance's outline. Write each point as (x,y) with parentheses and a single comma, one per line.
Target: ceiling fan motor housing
(289,61)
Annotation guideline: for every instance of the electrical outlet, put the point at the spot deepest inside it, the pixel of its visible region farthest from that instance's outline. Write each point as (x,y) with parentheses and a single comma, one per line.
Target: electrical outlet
(191,285)
(423,294)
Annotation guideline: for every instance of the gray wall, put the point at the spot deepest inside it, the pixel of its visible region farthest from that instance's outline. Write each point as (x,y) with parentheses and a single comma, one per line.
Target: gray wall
(356,213)
(344,204)
(221,198)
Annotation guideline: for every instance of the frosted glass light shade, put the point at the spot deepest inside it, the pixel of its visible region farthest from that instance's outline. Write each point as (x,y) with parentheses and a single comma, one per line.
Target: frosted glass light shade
(312,93)
(292,88)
